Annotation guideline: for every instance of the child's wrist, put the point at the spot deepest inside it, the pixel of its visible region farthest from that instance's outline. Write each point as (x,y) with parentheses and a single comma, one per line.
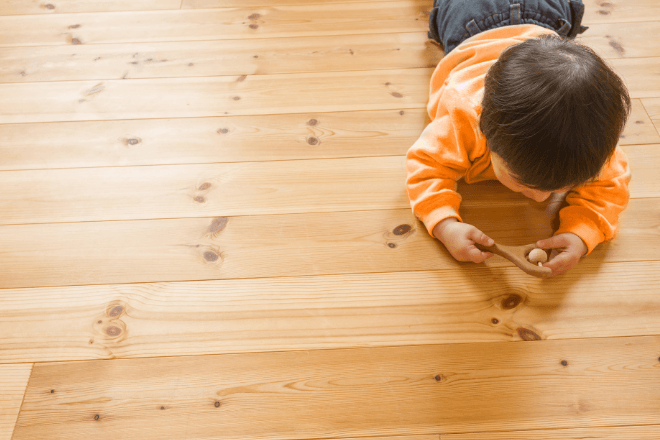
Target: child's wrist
(438,230)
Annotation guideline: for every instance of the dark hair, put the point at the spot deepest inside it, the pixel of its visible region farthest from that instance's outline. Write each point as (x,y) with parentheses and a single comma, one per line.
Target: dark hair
(553,110)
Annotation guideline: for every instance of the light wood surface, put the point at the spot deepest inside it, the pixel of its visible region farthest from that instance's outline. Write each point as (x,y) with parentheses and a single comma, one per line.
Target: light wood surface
(242,139)
(214,96)
(220,57)
(31,7)
(363,392)
(13,383)
(237,189)
(459,305)
(204,234)
(309,20)
(280,245)
(647,432)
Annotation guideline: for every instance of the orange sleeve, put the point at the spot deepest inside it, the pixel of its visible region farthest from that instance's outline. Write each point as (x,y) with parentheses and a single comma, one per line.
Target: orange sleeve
(593,209)
(435,162)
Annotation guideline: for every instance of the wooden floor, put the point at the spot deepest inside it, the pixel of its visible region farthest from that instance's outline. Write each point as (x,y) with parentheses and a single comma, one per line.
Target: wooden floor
(204,234)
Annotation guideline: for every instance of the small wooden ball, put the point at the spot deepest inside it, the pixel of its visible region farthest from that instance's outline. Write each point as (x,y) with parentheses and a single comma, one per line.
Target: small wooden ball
(537,256)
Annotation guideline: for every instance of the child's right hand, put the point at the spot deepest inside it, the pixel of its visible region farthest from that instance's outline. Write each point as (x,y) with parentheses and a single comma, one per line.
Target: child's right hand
(459,239)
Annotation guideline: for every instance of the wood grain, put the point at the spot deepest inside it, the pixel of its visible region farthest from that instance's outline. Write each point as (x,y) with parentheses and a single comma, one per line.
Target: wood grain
(220,57)
(216,96)
(22,7)
(280,245)
(646,432)
(246,188)
(216,140)
(619,11)
(13,383)
(622,40)
(652,107)
(458,305)
(309,20)
(236,139)
(208,4)
(337,393)
(174,191)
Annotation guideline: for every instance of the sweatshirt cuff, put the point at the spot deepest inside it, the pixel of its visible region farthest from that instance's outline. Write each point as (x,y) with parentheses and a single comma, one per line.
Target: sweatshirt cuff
(438,215)
(584,228)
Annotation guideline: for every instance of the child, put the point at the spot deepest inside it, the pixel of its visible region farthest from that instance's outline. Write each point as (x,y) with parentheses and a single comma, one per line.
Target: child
(515,99)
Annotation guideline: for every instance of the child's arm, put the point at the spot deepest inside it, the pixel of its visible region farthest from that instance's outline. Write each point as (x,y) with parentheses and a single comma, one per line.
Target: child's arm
(593,211)
(435,162)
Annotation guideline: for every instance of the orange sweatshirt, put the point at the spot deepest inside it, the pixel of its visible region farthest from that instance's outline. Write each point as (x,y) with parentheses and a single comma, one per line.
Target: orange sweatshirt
(452,147)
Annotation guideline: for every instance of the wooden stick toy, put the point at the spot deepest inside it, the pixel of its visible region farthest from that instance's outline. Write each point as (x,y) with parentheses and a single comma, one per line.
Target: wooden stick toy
(519,255)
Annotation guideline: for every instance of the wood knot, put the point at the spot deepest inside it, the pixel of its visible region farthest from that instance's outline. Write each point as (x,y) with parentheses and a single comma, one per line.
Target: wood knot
(116,311)
(210,256)
(48,6)
(397,95)
(113,331)
(402,229)
(133,141)
(76,41)
(564,363)
(254,26)
(528,335)
(313,140)
(74,26)
(392,245)
(223,131)
(511,301)
(217,404)
(495,321)
(401,112)
(254,16)
(204,186)
(241,78)
(312,122)
(96,417)
(218,224)
(200,199)
(236,98)
(438,378)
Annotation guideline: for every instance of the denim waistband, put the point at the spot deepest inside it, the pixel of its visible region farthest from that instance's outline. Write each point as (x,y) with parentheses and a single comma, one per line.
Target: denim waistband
(453,21)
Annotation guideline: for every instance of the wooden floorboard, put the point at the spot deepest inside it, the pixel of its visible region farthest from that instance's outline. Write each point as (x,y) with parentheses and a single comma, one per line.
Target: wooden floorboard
(280,245)
(214,96)
(309,20)
(13,383)
(220,57)
(460,305)
(238,189)
(647,432)
(238,139)
(338,393)
(22,7)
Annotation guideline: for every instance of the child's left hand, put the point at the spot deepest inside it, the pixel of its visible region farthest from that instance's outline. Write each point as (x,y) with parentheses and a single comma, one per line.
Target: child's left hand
(567,249)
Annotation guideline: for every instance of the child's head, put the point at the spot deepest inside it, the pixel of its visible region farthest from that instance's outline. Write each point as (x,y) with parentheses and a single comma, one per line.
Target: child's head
(552,113)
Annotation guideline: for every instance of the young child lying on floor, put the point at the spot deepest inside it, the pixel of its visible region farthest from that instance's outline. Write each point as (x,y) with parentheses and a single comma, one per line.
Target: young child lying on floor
(517,100)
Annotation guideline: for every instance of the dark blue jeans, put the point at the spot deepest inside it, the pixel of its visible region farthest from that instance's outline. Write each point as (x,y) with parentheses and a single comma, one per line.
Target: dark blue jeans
(453,21)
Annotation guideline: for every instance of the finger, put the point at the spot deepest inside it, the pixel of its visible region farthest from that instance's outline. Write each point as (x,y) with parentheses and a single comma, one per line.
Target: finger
(477,256)
(557,241)
(479,237)
(560,264)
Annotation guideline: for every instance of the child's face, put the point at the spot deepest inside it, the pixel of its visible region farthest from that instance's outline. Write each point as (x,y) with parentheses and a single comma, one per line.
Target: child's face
(505,177)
